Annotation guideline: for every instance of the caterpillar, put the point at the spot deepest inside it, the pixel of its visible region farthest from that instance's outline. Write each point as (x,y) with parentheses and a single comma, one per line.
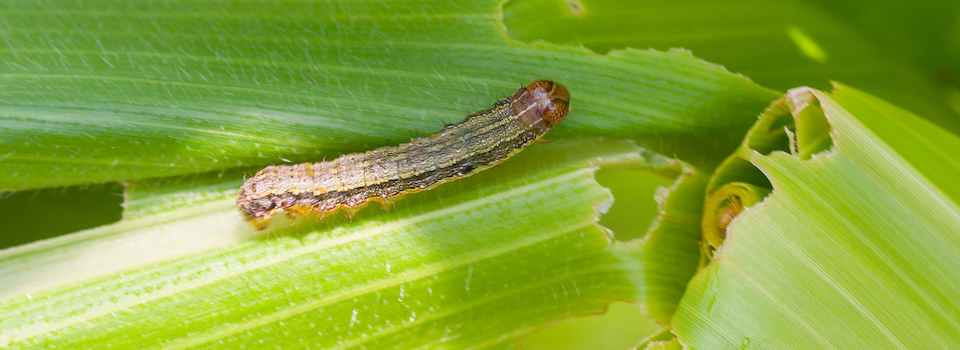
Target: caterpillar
(482,140)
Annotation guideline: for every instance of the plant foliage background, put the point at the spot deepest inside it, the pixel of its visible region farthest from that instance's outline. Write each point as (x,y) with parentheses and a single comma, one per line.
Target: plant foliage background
(126,127)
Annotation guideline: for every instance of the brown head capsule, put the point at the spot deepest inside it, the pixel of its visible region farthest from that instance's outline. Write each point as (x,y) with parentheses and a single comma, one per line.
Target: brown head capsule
(541,105)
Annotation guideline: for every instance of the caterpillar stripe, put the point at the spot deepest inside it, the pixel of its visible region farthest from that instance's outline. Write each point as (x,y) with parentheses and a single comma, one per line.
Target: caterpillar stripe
(384,175)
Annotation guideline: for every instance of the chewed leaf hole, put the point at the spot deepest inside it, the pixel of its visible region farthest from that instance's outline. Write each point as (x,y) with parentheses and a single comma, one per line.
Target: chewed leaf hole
(621,327)
(634,206)
(798,127)
(813,131)
(57,211)
(773,134)
(795,124)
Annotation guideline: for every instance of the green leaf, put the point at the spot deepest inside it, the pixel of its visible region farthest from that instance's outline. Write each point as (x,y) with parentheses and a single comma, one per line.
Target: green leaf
(778,43)
(478,262)
(858,246)
(922,145)
(664,345)
(149,197)
(125,90)
(605,331)
(179,99)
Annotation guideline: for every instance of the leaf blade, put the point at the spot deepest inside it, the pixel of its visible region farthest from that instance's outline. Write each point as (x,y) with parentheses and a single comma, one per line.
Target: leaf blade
(395,264)
(128,91)
(856,231)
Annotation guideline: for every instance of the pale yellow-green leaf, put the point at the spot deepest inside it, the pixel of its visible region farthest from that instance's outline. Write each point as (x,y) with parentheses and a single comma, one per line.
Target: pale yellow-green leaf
(858,245)
(479,262)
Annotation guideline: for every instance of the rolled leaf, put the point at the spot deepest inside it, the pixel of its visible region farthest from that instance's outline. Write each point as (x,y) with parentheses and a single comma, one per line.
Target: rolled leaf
(857,246)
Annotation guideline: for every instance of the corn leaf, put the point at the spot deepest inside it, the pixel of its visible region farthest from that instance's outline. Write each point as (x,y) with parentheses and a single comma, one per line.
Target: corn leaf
(474,264)
(858,245)
(132,90)
(780,44)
